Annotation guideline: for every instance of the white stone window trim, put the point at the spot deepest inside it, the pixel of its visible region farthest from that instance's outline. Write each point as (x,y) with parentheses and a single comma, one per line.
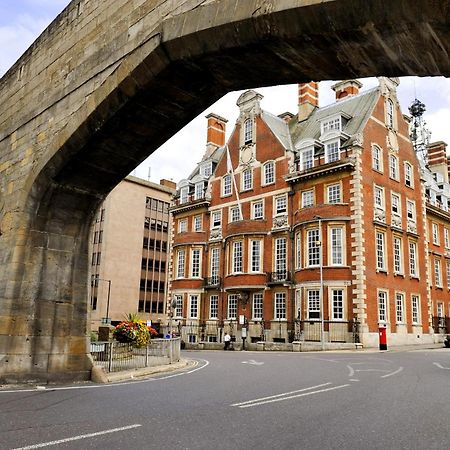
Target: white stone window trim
(266,166)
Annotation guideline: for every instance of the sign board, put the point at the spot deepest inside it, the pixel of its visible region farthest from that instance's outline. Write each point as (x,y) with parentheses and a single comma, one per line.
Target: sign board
(241,319)
(244,332)
(149,323)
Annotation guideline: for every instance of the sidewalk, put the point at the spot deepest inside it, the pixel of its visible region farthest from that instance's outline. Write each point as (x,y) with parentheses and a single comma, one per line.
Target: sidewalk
(100,376)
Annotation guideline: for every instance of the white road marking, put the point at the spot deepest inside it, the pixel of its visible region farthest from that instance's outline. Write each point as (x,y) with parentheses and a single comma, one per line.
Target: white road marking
(392,373)
(253,362)
(81,436)
(353,379)
(441,367)
(351,371)
(99,386)
(286,396)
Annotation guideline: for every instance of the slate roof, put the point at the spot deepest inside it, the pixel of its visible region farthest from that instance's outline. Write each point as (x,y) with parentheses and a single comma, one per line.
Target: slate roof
(358,107)
(279,128)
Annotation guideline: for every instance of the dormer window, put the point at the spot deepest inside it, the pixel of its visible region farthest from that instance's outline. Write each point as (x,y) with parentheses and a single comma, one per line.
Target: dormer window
(331,125)
(306,159)
(206,169)
(332,152)
(248,132)
(199,190)
(184,194)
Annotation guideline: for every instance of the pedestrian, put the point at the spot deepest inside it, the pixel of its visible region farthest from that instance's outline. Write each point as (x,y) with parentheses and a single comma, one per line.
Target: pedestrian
(227,340)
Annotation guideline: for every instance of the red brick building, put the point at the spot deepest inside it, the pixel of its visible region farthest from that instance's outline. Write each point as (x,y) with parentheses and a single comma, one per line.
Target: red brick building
(307,228)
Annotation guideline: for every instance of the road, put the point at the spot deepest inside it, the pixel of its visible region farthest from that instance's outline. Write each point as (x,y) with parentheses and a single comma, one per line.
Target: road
(234,400)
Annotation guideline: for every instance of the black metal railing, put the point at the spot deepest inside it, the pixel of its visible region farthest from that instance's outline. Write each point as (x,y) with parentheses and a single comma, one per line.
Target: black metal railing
(335,330)
(212,282)
(280,276)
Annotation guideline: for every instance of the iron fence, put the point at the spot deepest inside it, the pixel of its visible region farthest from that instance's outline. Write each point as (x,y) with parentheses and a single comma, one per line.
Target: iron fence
(116,356)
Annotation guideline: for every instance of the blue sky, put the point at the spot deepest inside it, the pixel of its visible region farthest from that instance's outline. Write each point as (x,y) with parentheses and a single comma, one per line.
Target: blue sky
(21,22)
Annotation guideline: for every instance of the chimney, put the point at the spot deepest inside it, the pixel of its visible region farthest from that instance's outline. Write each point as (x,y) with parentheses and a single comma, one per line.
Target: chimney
(308,99)
(168,183)
(286,116)
(215,134)
(437,158)
(346,88)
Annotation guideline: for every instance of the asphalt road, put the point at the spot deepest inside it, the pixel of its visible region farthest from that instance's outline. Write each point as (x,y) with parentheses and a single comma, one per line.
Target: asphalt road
(256,400)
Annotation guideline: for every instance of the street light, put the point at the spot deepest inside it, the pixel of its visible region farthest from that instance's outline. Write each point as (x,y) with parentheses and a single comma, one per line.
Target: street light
(173,305)
(320,244)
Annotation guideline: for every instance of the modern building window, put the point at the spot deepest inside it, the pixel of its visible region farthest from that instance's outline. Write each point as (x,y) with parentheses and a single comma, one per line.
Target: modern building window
(255,256)
(337,304)
(258,210)
(199,191)
(181,260)
(99,258)
(195,263)
(216,219)
(226,185)
(280,204)
(393,167)
(213,306)
(413,259)
(232,307)
(382,306)
(377,158)
(235,214)
(334,193)
(380,243)
(182,225)
(390,113)
(313,247)
(269,172)
(193,306)
(94,259)
(248,132)
(313,296)
(336,236)
(257,307)
(215,262)
(379,197)
(409,175)
(178,306)
(415,309)
(398,255)
(435,233)
(332,152)
(437,273)
(237,257)
(100,236)
(306,159)
(399,308)
(197,223)
(280,256)
(307,198)
(280,305)
(247,179)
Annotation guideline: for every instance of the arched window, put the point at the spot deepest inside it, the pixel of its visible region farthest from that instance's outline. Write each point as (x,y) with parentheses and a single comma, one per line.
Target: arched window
(248,131)
(390,113)
(377,158)
(226,185)
(269,172)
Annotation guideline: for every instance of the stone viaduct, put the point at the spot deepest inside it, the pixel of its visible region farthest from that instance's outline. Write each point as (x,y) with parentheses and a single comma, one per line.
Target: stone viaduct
(111,80)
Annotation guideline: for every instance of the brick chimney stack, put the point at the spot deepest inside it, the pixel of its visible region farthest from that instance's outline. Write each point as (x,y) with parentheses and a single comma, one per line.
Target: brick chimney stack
(215,134)
(437,158)
(308,99)
(346,88)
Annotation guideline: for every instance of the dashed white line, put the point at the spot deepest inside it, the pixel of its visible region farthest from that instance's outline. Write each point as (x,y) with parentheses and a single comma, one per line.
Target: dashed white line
(441,367)
(392,373)
(77,438)
(287,396)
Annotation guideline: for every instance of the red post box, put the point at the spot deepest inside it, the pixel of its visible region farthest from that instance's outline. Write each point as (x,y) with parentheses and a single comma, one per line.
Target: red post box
(383,338)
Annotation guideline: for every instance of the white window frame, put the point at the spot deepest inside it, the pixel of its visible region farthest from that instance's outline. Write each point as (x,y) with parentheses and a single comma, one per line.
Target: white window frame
(411,210)
(182,226)
(396,204)
(397,252)
(256,253)
(237,257)
(280,306)
(446,238)
(194,300)
(196,262)
(199,192)
(378,197)
(216,216)
(258,210)
(213,307)
(383,305)
(400,316)
(232,306)
(377,158)
(390,114)
(234,214)
(197,223)
(334,193)
(332,151)
(206,169)
(184,194)
(435,233)
(337,305)
(313,247)
(409,174)
(214,264)
(331,124)
(247,180)
(298,250)
(268,173)
(178,310)
(227,188)
(280,255)
(248,131)
(257,306)
(437,273)
(336,244)
(415,309)
(313,304)
(393,167)
(448,274)
(308,199)
(307,158)
(413,259)
(280,206)
(380,249)
(181,263)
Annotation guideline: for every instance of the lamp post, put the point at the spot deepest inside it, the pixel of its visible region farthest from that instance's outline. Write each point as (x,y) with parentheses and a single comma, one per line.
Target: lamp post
(320,244)
(173,305)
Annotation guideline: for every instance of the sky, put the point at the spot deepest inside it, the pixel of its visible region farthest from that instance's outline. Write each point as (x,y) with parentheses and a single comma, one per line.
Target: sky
(22,21)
